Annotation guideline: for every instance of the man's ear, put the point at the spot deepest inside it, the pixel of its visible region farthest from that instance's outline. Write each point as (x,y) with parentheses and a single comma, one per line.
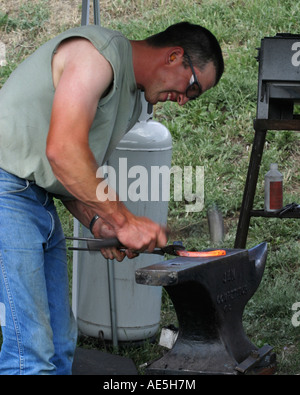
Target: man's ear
(174,54)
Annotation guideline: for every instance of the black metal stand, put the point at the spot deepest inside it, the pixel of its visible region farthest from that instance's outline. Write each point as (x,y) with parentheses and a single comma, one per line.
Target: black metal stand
(261,127)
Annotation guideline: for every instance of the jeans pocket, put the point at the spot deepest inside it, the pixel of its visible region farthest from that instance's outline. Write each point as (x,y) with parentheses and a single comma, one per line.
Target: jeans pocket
(10,184)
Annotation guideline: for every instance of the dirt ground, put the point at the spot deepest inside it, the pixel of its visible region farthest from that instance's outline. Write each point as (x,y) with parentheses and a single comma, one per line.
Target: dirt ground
(65,13)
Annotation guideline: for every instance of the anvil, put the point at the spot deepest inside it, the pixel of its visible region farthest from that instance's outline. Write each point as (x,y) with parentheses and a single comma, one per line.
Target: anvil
(209,296)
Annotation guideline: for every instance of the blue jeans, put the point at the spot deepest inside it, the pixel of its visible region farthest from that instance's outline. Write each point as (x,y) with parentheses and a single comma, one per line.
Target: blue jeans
(38,327)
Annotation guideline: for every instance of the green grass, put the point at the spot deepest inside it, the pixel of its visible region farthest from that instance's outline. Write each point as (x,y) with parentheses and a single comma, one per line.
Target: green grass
(216,132)
(31,17)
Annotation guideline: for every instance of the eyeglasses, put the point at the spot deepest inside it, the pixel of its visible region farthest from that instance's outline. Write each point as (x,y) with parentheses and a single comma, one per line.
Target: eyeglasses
(194,89)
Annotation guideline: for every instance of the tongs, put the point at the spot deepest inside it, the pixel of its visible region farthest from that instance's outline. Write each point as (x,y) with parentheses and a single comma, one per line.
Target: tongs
(176,249)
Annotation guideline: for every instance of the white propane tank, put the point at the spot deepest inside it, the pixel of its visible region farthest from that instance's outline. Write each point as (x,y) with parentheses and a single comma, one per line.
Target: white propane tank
(104,305)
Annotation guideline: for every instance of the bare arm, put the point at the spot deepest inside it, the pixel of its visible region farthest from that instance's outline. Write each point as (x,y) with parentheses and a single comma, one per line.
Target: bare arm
(81,77)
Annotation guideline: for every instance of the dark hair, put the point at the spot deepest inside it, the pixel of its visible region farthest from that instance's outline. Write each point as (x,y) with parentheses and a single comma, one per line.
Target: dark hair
(198,42)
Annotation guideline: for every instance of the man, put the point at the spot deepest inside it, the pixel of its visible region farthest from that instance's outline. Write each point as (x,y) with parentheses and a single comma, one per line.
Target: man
(62,112)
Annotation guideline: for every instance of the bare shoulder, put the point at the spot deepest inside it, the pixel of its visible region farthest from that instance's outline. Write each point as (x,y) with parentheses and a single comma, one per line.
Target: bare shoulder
(79,54)
(76,46)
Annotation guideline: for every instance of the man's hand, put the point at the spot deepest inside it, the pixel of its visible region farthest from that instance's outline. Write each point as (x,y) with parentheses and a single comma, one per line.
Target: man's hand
(136,233)
(103,230)
(139,235)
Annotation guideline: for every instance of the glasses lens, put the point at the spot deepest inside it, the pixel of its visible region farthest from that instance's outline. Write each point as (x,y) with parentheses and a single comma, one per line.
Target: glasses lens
(193,91)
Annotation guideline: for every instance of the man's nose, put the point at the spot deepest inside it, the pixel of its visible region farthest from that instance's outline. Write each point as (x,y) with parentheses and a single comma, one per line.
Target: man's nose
(182,99)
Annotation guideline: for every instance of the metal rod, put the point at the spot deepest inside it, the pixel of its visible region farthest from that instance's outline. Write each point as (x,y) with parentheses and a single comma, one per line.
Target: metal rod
(96,12)
(75,278)
(112,301)
(85,13)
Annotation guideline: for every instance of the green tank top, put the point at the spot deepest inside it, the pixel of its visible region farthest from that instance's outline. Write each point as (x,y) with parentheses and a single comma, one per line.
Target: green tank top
(26,101)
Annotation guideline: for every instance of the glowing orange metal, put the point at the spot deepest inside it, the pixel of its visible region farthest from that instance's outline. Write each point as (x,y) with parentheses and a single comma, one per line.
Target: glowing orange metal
(201,254)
